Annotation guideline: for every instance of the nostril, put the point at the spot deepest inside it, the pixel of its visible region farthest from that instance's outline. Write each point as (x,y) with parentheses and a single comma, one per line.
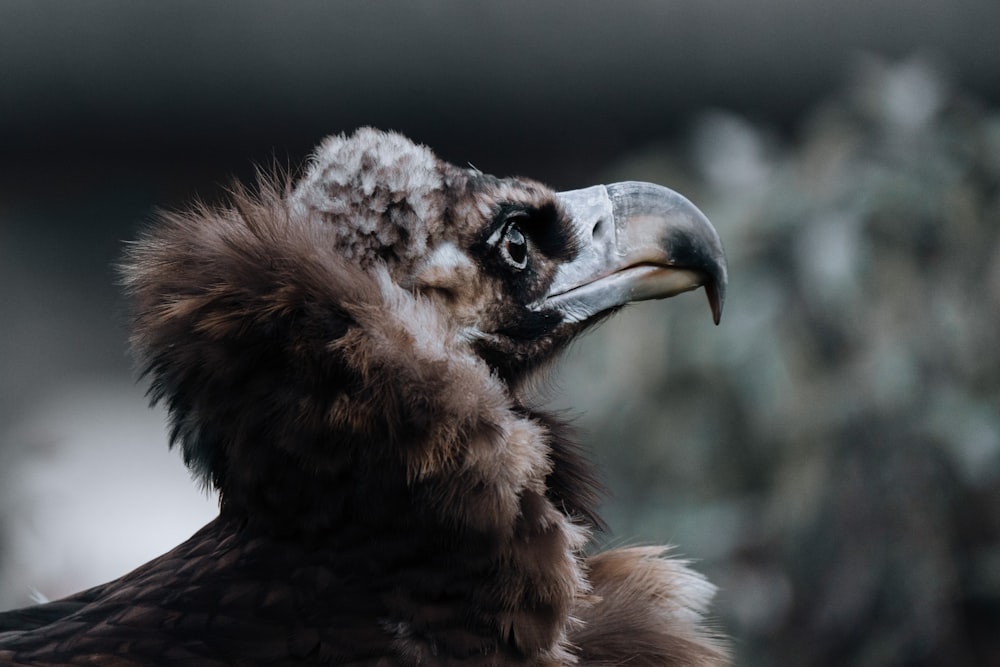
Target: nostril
(599,229)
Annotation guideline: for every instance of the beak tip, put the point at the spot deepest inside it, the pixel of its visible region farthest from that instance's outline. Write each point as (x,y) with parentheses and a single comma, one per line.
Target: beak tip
(716,299)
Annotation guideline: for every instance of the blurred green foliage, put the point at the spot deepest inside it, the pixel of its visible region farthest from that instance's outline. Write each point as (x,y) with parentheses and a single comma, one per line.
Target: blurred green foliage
(830,455)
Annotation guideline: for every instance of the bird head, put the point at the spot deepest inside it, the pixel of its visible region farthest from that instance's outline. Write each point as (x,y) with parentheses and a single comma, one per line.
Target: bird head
(518,268)
(380,312)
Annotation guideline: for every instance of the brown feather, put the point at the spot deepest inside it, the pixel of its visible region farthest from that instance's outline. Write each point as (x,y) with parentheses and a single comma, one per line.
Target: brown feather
(386,499)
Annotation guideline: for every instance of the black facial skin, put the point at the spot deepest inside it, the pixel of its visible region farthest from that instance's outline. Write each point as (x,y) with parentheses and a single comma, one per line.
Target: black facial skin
(525,337)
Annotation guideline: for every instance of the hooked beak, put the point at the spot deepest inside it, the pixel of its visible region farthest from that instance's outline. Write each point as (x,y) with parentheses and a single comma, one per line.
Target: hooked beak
(637,241)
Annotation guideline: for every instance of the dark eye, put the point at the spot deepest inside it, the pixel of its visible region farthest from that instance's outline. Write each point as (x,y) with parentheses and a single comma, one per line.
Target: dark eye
(514,247)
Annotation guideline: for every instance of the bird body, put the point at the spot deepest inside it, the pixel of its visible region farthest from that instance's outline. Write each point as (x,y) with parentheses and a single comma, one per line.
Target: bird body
(346,361)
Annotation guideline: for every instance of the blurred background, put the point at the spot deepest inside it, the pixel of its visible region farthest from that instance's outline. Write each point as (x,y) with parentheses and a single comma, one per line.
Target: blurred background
(829,455)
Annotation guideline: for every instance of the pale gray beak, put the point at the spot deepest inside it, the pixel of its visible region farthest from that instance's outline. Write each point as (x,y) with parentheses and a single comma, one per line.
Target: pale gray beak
(637,241)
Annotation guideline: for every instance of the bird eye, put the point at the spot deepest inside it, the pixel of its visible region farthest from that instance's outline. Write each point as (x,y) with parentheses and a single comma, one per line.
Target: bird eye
(514,246)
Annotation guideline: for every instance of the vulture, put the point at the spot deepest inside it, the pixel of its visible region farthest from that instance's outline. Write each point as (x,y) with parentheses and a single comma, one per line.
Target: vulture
(349,358)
